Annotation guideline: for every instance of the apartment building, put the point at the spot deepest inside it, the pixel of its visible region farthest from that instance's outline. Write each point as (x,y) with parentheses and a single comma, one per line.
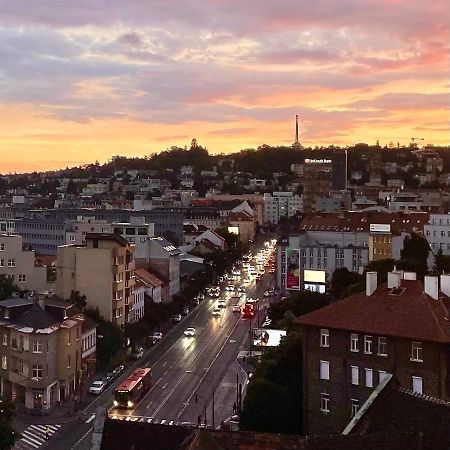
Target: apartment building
(152,286)
(20,264)
(76,235)
(103,270)
(349,347)
(437,233)
(40,352)
(139,301)
(281,204)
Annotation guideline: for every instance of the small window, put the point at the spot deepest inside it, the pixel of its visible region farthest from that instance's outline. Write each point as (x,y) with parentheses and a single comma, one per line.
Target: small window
(416,351)
(382,346)
(355,375)
(5,339)
(324,338)
(324,370)
(11,263)
(354,342)
(325,402)
(369,377)
(37,371)
(2,247)
(22,278)
(368,344)
(37,347)
(2,263)
(355,407)
(417,384)
(4,362)
(381,375)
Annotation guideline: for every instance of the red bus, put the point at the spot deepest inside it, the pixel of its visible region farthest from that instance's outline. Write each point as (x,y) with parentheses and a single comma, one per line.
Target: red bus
(249,309)
(133,388)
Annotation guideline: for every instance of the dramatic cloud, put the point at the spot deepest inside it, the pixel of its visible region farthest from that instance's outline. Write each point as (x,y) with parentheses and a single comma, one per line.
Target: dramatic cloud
(87,79)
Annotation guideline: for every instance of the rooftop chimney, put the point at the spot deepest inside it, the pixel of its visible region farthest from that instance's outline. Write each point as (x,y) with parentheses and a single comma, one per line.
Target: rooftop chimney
(371,283)
(409,276)
(432,286)
(394,280)
(445,285)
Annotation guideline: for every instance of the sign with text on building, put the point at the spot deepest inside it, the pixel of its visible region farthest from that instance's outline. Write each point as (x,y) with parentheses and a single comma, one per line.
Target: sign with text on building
(318,161)
(380,227)
(292,268)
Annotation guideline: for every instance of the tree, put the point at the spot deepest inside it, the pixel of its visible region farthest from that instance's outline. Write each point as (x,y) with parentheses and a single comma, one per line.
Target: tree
(415,253)
(342,279)
(441,262)
(7,287)
(8,436)
(78,300)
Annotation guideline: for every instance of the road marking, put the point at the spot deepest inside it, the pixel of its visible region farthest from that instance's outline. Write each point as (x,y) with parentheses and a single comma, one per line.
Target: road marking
(165,385)
(164,364)
(30,443)
(148,406)
(90,419)
(82,438)
(33,438)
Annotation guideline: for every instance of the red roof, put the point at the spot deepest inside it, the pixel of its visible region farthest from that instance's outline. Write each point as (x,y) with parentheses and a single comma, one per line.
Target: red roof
(412,314)
(45,260)
(148,278)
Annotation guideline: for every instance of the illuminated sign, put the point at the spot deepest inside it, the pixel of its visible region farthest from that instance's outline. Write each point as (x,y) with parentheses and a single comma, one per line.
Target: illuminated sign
(318,161)
(267,338)
(314,276)
(380,227)
(233,230)
(292,268)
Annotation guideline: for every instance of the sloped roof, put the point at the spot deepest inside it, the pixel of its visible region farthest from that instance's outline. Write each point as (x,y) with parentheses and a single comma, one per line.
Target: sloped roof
(36,318)
(166,245)
(411,314)
(240,216)
(148,278)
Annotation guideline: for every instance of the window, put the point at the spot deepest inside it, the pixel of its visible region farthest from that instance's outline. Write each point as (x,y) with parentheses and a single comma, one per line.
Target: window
(37,371)
(324,338)
(4,362)
(11,263)
(324,370)
(417,384)
(354,342)
(22,278)
(381,375)
(355,375)
(382,346)
(72,238)
(325,402)
(416,351)
(37,347)
(368,344)
(5,339)
(2,247)
(355,407)
(369,377)
(2,263)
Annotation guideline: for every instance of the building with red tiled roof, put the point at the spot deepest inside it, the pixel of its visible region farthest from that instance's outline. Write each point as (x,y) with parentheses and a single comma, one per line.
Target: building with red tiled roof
(400,328)
(152,285)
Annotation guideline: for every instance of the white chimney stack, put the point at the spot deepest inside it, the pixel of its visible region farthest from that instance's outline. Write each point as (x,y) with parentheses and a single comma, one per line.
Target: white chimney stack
(394,280)
(432,286)
(445,285)
(371,283)
(410,276)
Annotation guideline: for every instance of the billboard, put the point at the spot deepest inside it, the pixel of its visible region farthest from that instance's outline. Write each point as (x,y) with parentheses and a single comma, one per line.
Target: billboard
(314,276)
(267,338)
(380,227)
(233,230)
(292,268)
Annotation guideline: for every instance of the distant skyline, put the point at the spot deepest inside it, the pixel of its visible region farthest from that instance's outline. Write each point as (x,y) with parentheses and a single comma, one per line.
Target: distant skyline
(82,81)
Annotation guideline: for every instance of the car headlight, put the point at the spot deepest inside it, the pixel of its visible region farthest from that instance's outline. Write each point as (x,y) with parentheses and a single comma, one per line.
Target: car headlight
(115,402)
(129,404)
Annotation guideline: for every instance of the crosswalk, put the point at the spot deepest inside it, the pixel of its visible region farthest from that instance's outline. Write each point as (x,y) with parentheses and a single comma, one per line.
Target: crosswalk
(34,436)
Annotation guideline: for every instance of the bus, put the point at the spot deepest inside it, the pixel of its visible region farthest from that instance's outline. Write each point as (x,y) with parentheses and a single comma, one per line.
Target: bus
(249,309)
(132,388)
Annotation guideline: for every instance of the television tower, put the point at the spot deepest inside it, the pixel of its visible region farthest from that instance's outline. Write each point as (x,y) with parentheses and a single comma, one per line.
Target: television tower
(296,143)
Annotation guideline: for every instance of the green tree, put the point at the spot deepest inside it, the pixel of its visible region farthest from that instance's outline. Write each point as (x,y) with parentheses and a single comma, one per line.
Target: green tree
(7,287)
(342,279)
(441,262)
(78,300)
(415,253)
(8,436)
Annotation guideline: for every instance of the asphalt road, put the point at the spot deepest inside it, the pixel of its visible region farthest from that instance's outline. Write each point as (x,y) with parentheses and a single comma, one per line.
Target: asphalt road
(184,370)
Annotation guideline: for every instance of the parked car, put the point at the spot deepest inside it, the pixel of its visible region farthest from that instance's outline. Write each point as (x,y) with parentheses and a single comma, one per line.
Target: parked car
(185,311)
(176,318)
(156,336)
(137,353)
(110,377)
(97,387)
(189,332)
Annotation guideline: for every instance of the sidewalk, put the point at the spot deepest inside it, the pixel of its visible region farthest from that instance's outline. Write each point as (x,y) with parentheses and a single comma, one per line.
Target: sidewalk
(60,414)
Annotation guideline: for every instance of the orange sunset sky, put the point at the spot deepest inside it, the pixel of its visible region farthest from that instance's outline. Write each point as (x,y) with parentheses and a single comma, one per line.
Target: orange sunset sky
(81,82)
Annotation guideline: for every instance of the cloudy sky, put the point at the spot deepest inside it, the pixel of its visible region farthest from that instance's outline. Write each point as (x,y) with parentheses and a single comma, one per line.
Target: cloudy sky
(83,80)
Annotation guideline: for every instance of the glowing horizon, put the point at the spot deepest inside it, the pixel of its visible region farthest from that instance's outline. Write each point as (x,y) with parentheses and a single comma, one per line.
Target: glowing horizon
(79,84)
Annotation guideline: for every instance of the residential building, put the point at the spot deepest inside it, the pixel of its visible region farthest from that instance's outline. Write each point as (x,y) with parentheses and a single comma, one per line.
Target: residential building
(20,264)
(76,235)
(213,237)
(349,347)
(136,232)
(41,351)
(281,204)
(137,313)
(103,270)
(245,225)
(437,233)
(152,286)
(88,348)
(209,217)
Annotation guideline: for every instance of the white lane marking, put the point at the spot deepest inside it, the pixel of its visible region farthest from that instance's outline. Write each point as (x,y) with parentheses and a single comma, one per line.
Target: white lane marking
(148,406)
(29,442)
(90,419)
(165,385)
(32,437)
(82,438)
(164,364)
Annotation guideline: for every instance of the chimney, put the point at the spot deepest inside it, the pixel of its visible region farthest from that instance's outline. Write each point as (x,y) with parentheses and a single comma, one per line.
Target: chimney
(432,286)
(445,285)
(371,283)
(410,276)
(394,280)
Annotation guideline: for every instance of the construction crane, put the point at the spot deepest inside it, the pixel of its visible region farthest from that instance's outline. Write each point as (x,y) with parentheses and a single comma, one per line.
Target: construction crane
(413,141)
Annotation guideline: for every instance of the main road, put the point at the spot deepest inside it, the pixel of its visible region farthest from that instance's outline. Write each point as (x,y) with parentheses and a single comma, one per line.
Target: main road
(186,371)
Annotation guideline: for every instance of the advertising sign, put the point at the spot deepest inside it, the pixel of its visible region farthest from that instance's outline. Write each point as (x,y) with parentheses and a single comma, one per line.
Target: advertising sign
(314,276)
(380,227)
(233,230)
(267,338)
(293,268)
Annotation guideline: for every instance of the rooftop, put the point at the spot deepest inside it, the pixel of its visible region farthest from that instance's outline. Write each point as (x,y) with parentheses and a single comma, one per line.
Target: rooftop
(148,278)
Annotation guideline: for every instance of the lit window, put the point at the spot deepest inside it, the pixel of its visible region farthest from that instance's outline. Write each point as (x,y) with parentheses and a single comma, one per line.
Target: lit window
(416,351)
(417,384)
(354,342)
(368,344)
(324,402)
(324,370)
(4,362)
(5,339)
(355,375)
(324,338)
(355,407)
(382,346)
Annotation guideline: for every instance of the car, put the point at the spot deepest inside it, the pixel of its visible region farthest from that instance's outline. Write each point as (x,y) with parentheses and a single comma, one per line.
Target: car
(109,377)
(189,332)
(217,312)
(217,294)
(201,297)
(185,311)
(97,387)
(221,305)
(236,308)
(230,287)
(157,336)
(176,318)
(236,273)
(247,280)
(241,289)
(258,277)
(137,353)
(221,279)
(266,293)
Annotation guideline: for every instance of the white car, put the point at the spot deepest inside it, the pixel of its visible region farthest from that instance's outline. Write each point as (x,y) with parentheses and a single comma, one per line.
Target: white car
(230,287)
(236,273)
(97,387)
(266,293)
(236,308)
(221,305)
(189,332)
(247,280)
(217,312)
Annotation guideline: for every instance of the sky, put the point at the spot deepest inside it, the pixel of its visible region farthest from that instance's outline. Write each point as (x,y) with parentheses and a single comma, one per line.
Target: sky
(85,80)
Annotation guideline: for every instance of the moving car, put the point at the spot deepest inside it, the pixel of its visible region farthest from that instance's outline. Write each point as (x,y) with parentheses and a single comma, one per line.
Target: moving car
(177,318)
(230,287)
(97,387)
(189,332)
(217,312)
(221,305)
(236,308)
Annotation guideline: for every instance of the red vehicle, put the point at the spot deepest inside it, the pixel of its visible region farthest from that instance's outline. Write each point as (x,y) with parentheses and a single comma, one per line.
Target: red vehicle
(249,309)
(133,388)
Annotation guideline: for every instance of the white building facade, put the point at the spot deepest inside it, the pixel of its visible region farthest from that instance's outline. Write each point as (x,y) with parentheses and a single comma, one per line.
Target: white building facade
(281,204)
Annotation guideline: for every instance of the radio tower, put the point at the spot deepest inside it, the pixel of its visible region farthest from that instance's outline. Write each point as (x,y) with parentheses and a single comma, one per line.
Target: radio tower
(296,143)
